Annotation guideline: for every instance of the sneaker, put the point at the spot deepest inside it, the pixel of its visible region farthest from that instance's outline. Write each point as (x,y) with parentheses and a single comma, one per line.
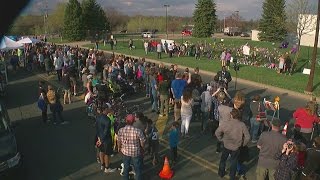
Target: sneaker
(65,122)
(109,170)
(112,155)
(102,168)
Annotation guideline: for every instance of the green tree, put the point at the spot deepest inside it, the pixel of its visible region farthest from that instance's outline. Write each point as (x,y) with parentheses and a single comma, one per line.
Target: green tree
(273,21)
(73,22)
(204,18)
(95,21)
(56,18)
(27,25)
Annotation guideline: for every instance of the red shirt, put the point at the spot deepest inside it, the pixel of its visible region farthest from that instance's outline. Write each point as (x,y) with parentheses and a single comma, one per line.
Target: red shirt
(159,78)
(303,119)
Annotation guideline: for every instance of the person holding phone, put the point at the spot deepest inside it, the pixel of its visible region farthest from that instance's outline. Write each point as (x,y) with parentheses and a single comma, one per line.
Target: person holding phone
(288,161)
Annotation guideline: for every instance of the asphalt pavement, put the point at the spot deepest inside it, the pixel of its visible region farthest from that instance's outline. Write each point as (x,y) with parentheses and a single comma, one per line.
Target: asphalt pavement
(67,151)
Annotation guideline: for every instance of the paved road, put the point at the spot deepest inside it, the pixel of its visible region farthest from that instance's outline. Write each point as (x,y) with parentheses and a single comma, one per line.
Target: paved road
(66,151)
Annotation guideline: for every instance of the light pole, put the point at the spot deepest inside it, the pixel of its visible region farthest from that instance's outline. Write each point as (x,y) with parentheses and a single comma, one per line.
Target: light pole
(166,6)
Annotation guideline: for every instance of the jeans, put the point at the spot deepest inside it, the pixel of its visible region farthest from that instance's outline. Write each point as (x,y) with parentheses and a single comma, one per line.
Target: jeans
(185,122)
(159,55)
(233,159)
(137,164)
(164,103)
(174,153)
(155,100)
(54,116)
(147,86)
(205,119)
(254,128)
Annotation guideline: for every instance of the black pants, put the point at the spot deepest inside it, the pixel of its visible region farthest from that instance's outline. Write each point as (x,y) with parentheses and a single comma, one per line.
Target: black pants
(59,73)
(174,153)
(159,55)
(44,116)
(223,161)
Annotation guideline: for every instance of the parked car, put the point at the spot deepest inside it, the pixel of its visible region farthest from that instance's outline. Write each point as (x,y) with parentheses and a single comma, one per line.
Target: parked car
(9,154)
(244,34)
(123,31)
(186,32)
(147,35)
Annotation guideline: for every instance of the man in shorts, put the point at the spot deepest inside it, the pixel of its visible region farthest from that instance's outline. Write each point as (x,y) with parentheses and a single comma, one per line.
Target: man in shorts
(104,142)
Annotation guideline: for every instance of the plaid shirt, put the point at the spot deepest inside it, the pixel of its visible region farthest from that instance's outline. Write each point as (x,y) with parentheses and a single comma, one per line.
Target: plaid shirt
(130,139)
(286,167)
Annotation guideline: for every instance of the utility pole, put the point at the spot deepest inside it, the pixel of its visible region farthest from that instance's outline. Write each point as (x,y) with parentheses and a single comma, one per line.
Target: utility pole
(166,6)
(309,88)
(45,15)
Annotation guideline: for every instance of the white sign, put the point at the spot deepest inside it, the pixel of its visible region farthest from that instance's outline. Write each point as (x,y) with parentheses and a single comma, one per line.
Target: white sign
(246,50)
(306,71)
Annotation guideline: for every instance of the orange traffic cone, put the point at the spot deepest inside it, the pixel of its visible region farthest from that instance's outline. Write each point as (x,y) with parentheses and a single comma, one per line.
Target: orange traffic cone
(166,172)
(284,131)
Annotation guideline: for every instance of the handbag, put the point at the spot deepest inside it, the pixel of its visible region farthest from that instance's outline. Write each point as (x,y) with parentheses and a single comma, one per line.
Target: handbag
(261,114)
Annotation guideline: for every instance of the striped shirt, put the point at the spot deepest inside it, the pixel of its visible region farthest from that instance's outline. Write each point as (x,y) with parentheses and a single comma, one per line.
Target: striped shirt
(130,139)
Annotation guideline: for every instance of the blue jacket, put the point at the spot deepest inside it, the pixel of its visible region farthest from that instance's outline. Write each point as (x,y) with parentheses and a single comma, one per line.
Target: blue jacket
(42,105)
(173,138)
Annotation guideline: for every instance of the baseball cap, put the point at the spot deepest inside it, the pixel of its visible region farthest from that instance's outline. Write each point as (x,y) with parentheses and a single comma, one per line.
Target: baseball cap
(130,118)
(276,122)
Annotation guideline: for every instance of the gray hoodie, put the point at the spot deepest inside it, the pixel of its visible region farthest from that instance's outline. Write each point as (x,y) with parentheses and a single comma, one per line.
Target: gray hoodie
(233,134)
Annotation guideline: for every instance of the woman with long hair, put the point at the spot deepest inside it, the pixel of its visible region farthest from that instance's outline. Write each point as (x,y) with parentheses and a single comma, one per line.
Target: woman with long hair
(186,111)
(304,122)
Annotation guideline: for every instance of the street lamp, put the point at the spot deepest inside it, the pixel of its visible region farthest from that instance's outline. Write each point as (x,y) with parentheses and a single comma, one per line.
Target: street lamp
(166,6)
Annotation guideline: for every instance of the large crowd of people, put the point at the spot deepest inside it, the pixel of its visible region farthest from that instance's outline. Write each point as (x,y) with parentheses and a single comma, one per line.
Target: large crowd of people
(273,58)
(182,96)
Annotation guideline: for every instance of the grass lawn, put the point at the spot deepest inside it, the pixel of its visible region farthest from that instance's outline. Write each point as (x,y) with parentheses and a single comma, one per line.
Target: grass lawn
(296,82)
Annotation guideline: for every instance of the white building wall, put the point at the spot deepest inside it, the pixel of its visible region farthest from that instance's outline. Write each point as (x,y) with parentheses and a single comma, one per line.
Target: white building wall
(308,35)
(254,35)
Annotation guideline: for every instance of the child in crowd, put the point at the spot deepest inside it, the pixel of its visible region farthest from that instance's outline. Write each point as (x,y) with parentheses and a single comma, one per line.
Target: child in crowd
(154,142)
(43,106)
(173,141)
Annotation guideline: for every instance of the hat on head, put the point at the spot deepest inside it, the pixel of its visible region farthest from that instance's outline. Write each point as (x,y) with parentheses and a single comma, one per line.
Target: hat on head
(276,122)
(130,118)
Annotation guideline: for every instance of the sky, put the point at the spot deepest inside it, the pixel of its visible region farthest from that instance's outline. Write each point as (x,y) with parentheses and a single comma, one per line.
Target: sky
(248,9)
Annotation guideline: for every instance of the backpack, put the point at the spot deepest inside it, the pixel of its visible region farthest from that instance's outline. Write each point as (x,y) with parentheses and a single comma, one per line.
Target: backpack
(196,96)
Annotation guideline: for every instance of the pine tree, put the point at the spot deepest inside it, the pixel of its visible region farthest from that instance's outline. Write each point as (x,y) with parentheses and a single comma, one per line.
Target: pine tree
(273,22)
(73,28)
(204,18)
(94,17)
